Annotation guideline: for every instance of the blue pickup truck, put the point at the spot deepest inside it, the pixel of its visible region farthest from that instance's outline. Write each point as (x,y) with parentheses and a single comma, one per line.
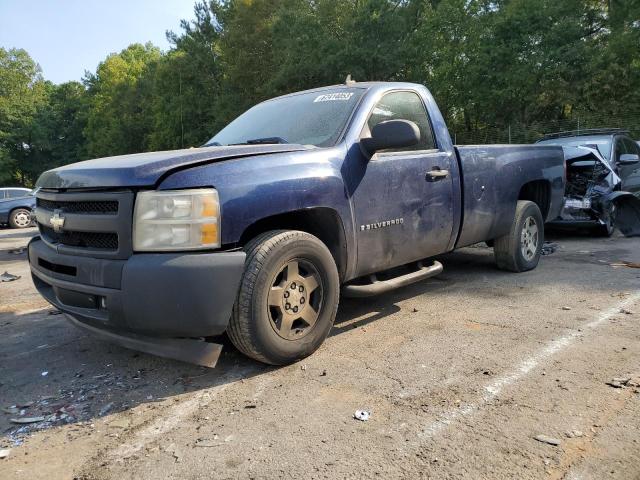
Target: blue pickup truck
(349,189)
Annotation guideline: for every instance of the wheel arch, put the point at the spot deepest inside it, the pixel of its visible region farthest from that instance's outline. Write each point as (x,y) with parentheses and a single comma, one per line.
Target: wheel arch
(322,222)
(538,192)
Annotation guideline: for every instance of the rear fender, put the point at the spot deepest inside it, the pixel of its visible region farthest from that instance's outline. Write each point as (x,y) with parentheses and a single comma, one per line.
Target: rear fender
(627,213)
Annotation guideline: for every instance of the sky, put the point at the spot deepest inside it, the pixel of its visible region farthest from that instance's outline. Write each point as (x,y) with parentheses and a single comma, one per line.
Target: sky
(67,37)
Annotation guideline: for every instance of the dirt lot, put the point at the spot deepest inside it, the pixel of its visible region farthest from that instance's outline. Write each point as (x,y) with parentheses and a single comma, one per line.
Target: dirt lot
(460,373)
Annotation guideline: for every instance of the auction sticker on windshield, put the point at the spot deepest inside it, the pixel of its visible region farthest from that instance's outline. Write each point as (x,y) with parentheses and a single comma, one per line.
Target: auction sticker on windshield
(330,97)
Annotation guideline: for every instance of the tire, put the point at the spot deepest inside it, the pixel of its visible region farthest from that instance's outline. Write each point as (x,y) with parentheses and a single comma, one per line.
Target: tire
(520,249)
(608,228)
(20,218)
(285,271)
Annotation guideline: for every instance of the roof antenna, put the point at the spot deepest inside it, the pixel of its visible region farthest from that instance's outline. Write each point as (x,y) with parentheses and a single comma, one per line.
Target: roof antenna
(348,80)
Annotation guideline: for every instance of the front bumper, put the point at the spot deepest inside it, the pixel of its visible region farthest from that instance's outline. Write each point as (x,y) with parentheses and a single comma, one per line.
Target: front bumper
(562,223)
(152,296)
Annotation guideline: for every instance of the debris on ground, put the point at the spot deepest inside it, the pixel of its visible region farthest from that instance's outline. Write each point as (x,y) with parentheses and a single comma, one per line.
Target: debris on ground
(303,367)
(362,415)
(548,248)
(120,423)
(55,312)
(618,382)
(106,409)
(324,373)
(8,277)
(547,439)
(4,453)
(27,420)
(44,374)
(625,311)
(625,264)
(566,308)
(18,251)
(574,434)
(201,442)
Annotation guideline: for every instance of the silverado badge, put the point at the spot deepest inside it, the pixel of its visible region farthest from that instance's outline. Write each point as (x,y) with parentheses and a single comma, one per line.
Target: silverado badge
(386,223)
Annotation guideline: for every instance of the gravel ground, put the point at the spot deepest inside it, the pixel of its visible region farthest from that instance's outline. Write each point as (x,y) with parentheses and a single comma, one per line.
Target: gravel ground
(460,373)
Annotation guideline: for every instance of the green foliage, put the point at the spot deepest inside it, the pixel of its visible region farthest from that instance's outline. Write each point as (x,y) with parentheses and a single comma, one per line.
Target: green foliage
(187,86)
(119,119)
(525,65)
(22,93)
(58,127)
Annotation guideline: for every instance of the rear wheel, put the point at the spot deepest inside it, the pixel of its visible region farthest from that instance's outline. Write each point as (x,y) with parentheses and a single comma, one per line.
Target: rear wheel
(20,218)
(520,249)
(288,298)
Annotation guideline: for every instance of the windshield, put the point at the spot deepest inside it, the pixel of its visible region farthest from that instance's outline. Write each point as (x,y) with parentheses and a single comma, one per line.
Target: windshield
(601,143)
(314,118)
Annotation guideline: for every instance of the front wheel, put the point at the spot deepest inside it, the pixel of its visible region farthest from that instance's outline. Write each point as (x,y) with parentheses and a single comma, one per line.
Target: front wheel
(288,298)
(608,227)
(520,249)
(20,218)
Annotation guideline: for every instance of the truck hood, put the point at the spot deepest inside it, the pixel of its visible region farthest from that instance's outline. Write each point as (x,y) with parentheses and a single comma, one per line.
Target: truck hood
(146,169)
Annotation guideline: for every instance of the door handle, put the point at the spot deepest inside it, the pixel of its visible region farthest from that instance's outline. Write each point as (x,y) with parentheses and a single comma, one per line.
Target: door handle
(437,174)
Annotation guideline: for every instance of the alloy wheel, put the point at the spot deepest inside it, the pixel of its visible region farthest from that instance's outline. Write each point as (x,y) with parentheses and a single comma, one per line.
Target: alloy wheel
(295,299)
(529,239)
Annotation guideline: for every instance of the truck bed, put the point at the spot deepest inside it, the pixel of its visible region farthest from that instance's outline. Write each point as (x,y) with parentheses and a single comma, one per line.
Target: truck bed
(494,177)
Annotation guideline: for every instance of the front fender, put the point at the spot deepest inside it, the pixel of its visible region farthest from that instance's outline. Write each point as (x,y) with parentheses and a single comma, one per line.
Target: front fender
(627,212)
(255,188)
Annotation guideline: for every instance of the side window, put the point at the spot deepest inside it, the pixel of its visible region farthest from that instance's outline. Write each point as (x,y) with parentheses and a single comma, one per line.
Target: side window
(404,106)
(2,193)
(621,148)
(15,193)
(631,146)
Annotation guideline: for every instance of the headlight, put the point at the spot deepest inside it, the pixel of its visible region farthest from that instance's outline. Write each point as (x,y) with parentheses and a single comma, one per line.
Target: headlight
(176,220)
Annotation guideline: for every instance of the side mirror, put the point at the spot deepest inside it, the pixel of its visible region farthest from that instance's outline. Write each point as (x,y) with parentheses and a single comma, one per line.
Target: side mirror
(391,134)
(628,159)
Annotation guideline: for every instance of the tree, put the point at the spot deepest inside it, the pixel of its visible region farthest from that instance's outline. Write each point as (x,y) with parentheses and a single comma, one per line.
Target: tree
(186,92)
(120,117)
(58,128)
(22,92)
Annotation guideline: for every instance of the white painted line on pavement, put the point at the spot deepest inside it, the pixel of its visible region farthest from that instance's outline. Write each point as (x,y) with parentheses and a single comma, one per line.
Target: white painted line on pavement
(527,365)
(174,415)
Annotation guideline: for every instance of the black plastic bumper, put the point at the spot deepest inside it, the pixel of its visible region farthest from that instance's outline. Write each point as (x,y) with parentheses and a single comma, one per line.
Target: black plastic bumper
(571,224)
(165,295)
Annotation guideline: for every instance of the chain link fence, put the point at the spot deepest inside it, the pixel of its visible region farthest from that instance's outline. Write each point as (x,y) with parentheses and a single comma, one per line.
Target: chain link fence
(523,134)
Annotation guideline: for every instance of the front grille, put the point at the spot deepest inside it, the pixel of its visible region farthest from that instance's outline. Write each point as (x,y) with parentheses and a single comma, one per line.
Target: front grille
(102,207)
(98,240)
(90,224)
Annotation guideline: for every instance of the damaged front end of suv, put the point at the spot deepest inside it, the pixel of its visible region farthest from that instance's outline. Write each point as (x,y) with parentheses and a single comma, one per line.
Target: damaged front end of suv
(593,196)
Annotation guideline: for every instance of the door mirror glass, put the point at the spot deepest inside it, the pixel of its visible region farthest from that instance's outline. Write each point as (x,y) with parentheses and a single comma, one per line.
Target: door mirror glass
(628,159)
(392,134)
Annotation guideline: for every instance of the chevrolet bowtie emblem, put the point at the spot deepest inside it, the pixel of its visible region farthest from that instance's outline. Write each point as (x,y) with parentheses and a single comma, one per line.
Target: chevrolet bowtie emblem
(57,221)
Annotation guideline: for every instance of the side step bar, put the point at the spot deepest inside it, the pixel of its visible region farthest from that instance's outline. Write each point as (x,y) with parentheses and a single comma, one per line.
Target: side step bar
(377,287)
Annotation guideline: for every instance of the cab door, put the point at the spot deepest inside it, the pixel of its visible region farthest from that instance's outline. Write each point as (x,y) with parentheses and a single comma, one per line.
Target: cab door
(403,198)
(629,172)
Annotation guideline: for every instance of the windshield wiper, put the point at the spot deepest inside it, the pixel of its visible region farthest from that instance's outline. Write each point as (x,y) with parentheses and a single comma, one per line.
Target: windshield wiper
(265,140)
